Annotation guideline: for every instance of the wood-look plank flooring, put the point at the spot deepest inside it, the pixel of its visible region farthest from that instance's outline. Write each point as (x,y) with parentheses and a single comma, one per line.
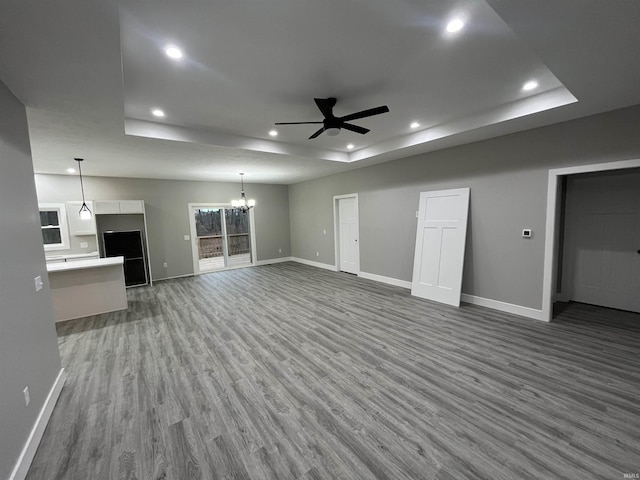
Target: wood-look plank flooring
(291,372)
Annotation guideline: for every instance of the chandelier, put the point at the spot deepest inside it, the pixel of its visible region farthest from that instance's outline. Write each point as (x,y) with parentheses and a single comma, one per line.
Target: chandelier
(243,204)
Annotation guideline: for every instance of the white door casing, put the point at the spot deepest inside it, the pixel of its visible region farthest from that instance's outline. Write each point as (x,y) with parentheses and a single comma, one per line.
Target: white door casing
(348,251)
(602,240)
(440,242)
(551,227)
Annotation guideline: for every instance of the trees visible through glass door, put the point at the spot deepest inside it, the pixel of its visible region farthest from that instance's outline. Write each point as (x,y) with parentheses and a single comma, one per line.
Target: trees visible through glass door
(210,238)
(238,240)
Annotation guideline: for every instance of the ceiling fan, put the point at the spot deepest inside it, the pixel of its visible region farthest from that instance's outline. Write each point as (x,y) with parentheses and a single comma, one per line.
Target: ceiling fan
(332,124)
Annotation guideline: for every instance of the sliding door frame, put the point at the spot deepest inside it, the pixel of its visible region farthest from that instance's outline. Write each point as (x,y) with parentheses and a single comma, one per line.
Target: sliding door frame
(194,237)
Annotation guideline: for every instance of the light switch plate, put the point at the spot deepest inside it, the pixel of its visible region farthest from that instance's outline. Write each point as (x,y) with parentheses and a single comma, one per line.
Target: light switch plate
(186,237)
(38,283)
(84,245)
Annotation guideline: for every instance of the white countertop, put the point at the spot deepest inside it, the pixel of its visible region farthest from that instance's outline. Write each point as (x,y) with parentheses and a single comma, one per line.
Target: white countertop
(84,264)
(72,256)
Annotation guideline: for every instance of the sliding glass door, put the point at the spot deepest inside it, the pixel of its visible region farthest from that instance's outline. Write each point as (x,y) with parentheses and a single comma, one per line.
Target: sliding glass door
(221,237)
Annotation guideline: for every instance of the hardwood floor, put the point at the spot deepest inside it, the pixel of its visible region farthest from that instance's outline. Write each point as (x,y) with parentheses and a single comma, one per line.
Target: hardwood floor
(291,372)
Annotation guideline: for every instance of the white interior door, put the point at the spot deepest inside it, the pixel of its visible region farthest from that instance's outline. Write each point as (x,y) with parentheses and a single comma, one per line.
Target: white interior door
(602,241)
(348,235)
(440,241)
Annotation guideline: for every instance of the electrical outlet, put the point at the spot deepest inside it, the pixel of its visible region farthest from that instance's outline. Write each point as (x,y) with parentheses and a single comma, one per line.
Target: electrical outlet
(526,233)
(279,250)
(317,254)
(84,245)
(38,283)
(186,237)
(164,264)
(27,396)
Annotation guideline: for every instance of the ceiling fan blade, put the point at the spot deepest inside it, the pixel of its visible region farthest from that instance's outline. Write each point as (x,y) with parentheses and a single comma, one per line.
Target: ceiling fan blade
(317,133)
(365,113)
(294,123)
(326,105)
(355,128)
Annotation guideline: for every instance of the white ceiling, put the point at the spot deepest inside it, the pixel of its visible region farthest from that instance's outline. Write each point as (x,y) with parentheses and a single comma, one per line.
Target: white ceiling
(90,71)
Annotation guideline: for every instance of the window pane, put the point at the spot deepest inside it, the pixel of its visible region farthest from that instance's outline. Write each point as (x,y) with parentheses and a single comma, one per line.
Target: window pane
(238,244)
(210,247)
(49,217)
(51,236)
(208,222)
(237,221)
(238,240)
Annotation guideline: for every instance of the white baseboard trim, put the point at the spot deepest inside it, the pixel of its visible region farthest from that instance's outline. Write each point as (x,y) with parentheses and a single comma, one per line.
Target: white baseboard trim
(274,260)
(388,280)
(503,306)
(474,300)
(326,266)
(31,446)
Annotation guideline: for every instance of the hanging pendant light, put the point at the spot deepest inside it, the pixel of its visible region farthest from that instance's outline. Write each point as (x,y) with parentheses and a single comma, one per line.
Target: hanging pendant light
(85,213)
(243,204)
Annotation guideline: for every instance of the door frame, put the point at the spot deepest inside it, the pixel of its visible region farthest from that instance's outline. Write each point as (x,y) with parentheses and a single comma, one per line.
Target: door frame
(194,237)
(552,229)
(336,227)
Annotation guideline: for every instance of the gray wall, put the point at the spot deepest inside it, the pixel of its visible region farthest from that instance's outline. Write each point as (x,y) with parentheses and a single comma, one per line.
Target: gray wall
(508,181)
(28,344)
(166,209)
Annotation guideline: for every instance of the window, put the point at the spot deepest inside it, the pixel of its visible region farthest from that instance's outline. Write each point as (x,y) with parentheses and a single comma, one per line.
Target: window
(53,223)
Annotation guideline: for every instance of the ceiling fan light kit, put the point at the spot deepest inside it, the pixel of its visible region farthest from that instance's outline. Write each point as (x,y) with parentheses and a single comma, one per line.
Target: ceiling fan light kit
(331,125)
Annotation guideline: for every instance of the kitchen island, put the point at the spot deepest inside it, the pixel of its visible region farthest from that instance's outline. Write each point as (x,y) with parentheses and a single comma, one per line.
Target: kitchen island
(87,287)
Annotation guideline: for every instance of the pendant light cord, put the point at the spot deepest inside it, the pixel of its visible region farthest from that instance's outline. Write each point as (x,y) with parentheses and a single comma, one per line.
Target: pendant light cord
(81,184)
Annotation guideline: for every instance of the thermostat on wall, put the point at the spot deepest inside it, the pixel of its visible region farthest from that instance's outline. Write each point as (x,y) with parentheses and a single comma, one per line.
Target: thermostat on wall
(526,233)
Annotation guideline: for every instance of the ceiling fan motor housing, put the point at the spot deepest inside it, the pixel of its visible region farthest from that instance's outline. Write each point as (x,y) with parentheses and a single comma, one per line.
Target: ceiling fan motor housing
(332,122)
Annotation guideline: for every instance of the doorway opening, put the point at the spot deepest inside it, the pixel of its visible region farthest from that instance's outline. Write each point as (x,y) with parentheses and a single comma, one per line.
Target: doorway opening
(598,258)
(222,237)
(553,225)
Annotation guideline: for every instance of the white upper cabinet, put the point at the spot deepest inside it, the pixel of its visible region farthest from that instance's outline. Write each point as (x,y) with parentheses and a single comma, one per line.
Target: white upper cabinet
(77,225)
(104,207)
(131,206)
(119,206)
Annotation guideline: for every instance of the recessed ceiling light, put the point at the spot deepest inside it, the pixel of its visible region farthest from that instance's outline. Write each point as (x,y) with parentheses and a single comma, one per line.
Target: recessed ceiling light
(173,52)
(414,125)
(273,133)
(157,112)
(350,146)
(71,170)
(530,85)
(455,25)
